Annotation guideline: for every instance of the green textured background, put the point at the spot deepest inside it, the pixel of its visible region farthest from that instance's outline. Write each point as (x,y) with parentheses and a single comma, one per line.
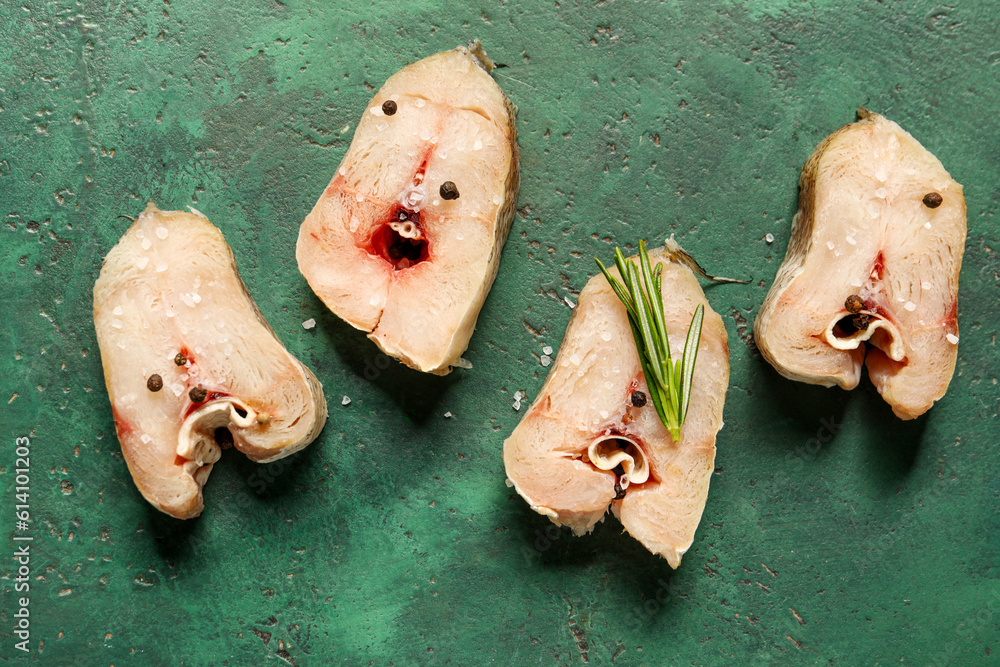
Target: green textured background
(393,538)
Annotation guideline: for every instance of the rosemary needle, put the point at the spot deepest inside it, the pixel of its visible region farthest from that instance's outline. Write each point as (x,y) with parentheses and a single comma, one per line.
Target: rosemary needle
(668,380)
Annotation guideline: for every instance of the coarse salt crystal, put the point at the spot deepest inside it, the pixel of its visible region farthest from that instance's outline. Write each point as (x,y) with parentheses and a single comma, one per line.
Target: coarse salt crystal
(952,338)
(374,300)
(829,244)
(142,262)
(477,146)
(575,360)
(545,359)
(881,193)
(605,336)
(309,324)
(448,415)
(927,225)
(910,306)
(508,482)
(116,324)
(162,232)
(360,197)
(117,311)
(925,285)
(518,395)
(850,239)
(569,302)
(346,400)
(769,238)
(146,438)
(413,198)
(161,267)
(146,243)
(547,349)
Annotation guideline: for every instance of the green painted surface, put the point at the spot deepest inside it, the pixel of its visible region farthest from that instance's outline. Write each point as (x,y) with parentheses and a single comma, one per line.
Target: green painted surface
(393,538)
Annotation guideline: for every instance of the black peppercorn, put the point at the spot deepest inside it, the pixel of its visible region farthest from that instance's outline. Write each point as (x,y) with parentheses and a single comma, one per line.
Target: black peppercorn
(932,200)
(854,304)
(388,107)
(198,394)
(638,399)
(180,359)
(154,383)
(449,190)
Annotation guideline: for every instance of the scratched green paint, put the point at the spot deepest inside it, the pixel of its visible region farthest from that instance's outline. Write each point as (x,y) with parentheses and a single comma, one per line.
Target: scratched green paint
(393,538)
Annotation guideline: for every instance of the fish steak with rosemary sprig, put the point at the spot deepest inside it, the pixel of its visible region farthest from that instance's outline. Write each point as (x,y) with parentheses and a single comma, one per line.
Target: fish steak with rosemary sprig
(628,416)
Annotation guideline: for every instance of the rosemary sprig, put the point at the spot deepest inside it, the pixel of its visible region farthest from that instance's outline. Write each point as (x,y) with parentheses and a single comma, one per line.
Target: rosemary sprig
(668,379)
